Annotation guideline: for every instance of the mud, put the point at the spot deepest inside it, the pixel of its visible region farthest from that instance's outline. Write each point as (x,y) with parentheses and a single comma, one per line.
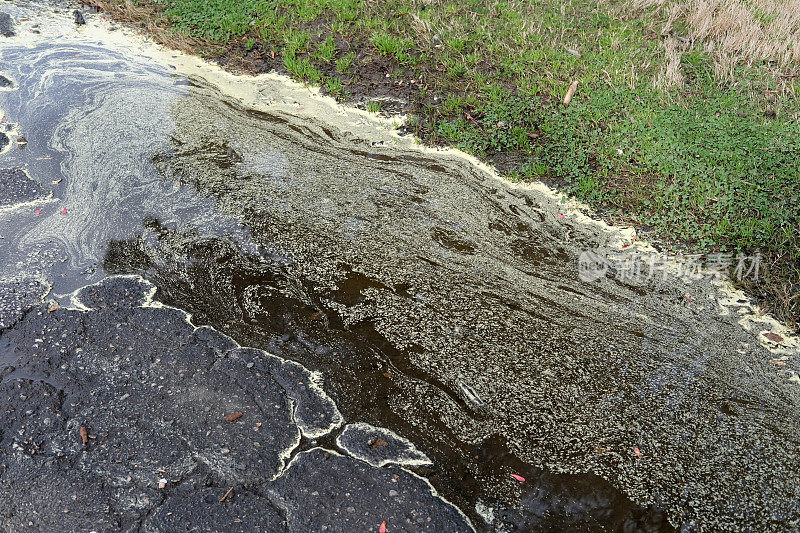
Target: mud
(386,291)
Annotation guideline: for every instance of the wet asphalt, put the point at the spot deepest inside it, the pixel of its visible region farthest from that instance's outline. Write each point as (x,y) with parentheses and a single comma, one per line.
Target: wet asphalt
(214,317)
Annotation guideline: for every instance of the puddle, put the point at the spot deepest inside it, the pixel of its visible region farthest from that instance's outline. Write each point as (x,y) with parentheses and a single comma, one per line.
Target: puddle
(436,300)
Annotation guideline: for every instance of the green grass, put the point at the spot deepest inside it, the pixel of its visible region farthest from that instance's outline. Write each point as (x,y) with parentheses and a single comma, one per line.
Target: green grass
(325,50)
(389,45)
(712,164)
(344,63)
(334,86)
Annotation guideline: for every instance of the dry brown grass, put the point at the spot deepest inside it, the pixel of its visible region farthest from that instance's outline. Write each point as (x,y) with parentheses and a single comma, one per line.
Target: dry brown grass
(764,32)
(146,16)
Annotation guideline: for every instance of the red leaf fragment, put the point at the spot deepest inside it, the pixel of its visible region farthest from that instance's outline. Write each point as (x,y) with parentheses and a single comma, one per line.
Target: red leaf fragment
(637,452)
(234,416)
(774,337)
(518,478)
(38,212)
(64,211)
(377,443)
(382,529)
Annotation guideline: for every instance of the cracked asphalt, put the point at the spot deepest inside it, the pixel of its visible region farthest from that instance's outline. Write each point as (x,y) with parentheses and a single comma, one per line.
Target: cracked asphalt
(227,304)
(153,396)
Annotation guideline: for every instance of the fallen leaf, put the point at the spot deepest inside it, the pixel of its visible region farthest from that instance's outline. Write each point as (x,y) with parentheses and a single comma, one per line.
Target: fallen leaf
(162,483)
(638,453)
(377,443)
(562,216)
(234,416)
(774,337)
(570,92)
(38,212)
(518,478)
(64,211)
(52,308)
(84,435)
(776,362)
(382,529)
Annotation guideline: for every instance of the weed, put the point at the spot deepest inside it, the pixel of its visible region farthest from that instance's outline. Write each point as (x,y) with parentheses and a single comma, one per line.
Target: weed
(334,86)
(326,49)
(301,68)
(344,63)
(392,46)
(296,41)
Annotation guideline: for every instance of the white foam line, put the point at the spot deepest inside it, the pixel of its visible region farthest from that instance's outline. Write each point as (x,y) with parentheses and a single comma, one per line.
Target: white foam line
(297,456)
(315,378)
(287,95)
(485,511)
(286,454)
(433,491)
(421,458)
(435,494)
(316,381)
(275,92)
(44,200)
(150,302)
